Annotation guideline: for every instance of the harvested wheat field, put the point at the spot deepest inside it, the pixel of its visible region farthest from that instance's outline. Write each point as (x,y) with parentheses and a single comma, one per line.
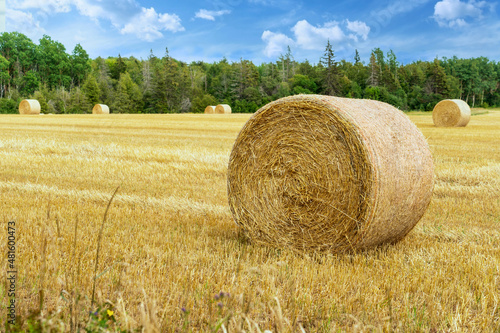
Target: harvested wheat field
(171,258)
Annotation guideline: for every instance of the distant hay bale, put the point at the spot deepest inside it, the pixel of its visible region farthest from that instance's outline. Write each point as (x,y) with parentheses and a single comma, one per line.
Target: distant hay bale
(451,113)
(223,108)
(100,109)
(210,109)
(29,106)
(323,173)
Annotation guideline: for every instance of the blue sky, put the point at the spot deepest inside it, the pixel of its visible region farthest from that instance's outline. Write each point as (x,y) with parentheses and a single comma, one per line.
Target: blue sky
(261,30)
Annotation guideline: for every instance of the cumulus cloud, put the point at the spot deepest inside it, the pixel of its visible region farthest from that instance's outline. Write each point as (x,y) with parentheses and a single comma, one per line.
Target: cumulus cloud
(276,43)
(148,24)
(210,14)
(127,16)
(96,11)
(310,37)
(358,28)
(22,22)
(452,13)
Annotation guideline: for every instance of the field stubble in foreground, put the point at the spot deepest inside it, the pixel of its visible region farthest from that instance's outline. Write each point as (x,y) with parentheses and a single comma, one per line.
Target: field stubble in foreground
(170,247)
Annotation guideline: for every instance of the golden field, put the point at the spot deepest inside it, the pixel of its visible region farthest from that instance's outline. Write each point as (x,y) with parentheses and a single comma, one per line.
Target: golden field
(169,244)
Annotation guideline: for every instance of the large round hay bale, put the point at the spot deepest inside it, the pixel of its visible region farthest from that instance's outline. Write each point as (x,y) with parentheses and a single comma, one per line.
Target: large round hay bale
(210,109)
(323,173)
(29,106)
(451,113)
(223,108)
(100,109)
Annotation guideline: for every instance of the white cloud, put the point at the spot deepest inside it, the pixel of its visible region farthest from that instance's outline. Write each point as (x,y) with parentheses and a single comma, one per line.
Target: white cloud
(275,43)
(47,6)
(452,13)
(22,22)
(127,16)
(396,8)
(96,11)
(148,24)
(210,14)
(359,28)
(2,15)
(310,37)
(382,17)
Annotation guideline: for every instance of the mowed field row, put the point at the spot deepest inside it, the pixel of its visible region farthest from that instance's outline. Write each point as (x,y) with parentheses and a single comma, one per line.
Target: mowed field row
(169,243)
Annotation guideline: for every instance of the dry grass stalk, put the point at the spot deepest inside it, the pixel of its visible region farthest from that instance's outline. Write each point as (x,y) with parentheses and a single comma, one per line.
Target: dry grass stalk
(100,109)
(29,106)
(210,109)
(99,240)
(322,173)
(223,109)
(451,113)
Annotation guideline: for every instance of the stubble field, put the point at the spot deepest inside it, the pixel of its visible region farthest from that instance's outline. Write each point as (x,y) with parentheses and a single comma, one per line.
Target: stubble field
(169,246)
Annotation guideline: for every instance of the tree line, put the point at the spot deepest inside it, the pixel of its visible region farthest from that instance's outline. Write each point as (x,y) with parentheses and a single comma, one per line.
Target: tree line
(73,83)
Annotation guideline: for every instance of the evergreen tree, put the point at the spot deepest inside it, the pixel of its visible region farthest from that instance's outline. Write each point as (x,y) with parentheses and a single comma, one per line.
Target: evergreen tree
(436,82)
(147,73)
(357,59)
(91,90)
(373,79)
(128,96)
(118,67)
(331,72)
(39,96)
(286,63)
(176,79)
(77,102)
(101,72)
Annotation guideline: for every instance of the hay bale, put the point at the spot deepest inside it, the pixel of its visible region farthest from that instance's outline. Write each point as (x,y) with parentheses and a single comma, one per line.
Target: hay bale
(100,109)
(210,109)
(451,113)
(29,106)
(223,109)
(323,173)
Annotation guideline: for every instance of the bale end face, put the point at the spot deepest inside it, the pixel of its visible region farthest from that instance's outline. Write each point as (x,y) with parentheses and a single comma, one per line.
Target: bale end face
(100,109)
(321,173)
(29,106)
(210,109)
(451,113)
(223,109)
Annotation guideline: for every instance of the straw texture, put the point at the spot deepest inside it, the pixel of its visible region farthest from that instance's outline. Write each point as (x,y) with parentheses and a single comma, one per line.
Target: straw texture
(210,109)
(322,173)
(223,108)
(100,109)
(29,106)
(451,113)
